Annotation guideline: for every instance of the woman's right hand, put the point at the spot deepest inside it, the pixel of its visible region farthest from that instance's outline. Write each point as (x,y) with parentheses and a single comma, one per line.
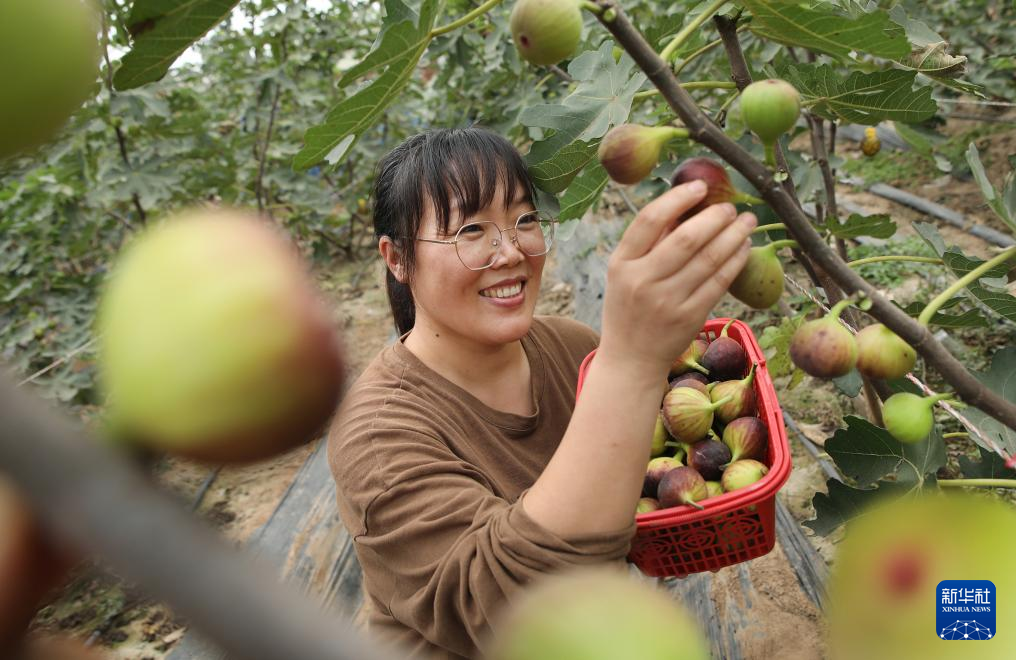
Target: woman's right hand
(662,281)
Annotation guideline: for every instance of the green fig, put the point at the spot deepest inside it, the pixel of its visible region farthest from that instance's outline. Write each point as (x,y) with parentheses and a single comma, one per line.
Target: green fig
(546,31)
(882,354)
(595,613)
(760,283)
(49,63)
(742,397)
(690,358)
(708,458)
(660,437)
(770,108)
(683,485)
(714,488)
(746,437)
(824,348)
(647,504)
(688,414)
(629,152)
(886,574)
(655,471)
(909,417)
(725,358)
(742,473)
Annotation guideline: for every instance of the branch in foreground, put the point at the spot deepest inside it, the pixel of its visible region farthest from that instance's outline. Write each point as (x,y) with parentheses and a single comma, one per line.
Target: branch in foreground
(702,130)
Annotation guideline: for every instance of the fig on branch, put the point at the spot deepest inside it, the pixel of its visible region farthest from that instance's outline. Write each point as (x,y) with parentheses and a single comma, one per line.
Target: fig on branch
(724,358)
(770,108)
(742,397)
(720,189)
(647,504)
(882,354)
(708,458)
(760,283)
(690,359)
(824,348)
(683,485)
(49,62)
(909,417)
(546,31)
(655,471)
(688,414)
(215,343)
(629,152)
(746,437)
(742,473)
(870,145)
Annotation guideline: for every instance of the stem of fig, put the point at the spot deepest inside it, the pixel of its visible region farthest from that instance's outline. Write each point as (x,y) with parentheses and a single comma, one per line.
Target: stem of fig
(745,198)
(694,504)
(747,380)
(969,278)
(893,257)
(726,326)
(935,398)
(773,226)
(591,7)
(688,30)
(716,404)
(838,308)
(983,483)
(957,434)
(779,245)
(456,24)
(696,366)
(770,150)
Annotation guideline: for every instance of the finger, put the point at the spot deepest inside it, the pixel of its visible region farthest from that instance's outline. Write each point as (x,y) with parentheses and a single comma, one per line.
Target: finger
(712,289)
(656,217)
(680,246)
(715,253)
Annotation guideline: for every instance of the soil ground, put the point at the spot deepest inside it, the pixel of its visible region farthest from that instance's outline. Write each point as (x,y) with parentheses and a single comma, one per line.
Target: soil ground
(126,624)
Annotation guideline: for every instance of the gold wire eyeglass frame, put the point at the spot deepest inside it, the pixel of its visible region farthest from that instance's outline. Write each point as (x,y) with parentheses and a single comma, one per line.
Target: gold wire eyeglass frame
(497,241)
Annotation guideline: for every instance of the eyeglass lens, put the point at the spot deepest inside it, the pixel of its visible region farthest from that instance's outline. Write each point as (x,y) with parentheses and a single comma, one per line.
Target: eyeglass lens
(478,242)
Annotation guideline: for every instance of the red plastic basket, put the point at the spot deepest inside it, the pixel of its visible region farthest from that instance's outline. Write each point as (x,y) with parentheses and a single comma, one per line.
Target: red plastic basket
(732,527)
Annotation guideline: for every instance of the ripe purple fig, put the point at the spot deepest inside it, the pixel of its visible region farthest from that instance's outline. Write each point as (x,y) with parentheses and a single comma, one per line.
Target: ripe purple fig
(655,471)
(742,473)
(688,414)
(708,458)
(746,437)
(724,358)
(882,354)
(693,379)
(824,348)
(760,283)
(629,152)
(647,504)
(690,359)
(546,31)
(909,417)
(720,189)
(682,485)
(660,437)
(770,108)
(742,393)
(714,488)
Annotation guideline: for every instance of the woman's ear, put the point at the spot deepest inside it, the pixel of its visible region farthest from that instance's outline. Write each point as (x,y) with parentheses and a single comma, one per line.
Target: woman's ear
(393,258)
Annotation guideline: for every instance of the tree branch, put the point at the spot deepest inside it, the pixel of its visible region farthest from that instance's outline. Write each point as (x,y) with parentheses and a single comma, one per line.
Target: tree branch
(702,130)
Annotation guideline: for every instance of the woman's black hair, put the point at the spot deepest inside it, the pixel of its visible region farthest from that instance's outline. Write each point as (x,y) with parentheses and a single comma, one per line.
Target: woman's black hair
(448,168)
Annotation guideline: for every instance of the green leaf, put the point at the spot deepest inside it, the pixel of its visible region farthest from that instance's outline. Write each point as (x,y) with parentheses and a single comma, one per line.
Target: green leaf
(991,466)
(790,22)
(972,318)
(1000,379)
(861,98)
(867,453)
(850,384)
(162,31)
(401,33)
(556,173)
(844,503)
(777,338)
(879,225)
(583,192)
(991,195)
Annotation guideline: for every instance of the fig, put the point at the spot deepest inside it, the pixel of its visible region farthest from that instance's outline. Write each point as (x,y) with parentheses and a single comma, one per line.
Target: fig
(660,437)
(708,458)
(546,31)
(714,488)
(693,380)
(720,189)
(760,283)
(742,473)
(909,417)
(683,485)
(647,504)
(214,342)
(690,359)
(742,393)
(888,568)
(871,145)
(688,414)
(882,354)
(770,108)
(655,471)
(824,348)
(747,438)
(680,449)
(49,62)
(595,613)
(724,358)
(629,152)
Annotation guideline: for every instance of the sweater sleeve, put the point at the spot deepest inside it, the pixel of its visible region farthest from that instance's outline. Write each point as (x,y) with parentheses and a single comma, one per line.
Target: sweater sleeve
(456,552)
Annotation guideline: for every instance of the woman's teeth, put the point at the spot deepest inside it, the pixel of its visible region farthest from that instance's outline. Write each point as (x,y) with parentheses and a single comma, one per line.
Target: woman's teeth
(503,292)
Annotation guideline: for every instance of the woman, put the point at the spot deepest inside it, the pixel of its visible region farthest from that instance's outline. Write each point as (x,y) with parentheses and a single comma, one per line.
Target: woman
(464,467)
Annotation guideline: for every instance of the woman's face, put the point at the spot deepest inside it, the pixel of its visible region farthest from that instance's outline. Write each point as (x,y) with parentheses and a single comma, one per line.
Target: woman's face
(452,299)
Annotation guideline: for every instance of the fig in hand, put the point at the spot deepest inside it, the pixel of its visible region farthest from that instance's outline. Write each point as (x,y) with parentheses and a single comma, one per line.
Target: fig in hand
(760,283)
(719,190)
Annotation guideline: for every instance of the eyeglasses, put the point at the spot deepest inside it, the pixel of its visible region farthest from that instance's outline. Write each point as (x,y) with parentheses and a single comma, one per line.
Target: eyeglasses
(478,243)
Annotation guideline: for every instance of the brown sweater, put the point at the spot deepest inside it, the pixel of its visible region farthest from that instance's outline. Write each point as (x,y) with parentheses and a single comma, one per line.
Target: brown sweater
(428,483)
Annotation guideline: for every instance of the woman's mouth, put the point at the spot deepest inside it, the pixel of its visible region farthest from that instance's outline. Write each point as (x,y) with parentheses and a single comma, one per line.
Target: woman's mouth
(510,295)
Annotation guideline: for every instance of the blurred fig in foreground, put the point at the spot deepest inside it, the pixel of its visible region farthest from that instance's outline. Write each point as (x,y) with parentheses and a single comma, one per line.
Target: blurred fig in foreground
(215,343)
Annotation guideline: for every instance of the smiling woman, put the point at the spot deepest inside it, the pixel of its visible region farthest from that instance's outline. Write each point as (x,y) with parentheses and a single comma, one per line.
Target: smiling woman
(464,468)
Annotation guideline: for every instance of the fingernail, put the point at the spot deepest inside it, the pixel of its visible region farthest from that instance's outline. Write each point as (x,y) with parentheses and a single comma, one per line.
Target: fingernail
(697,186)
(729,210)
(749,220)
(747,244)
